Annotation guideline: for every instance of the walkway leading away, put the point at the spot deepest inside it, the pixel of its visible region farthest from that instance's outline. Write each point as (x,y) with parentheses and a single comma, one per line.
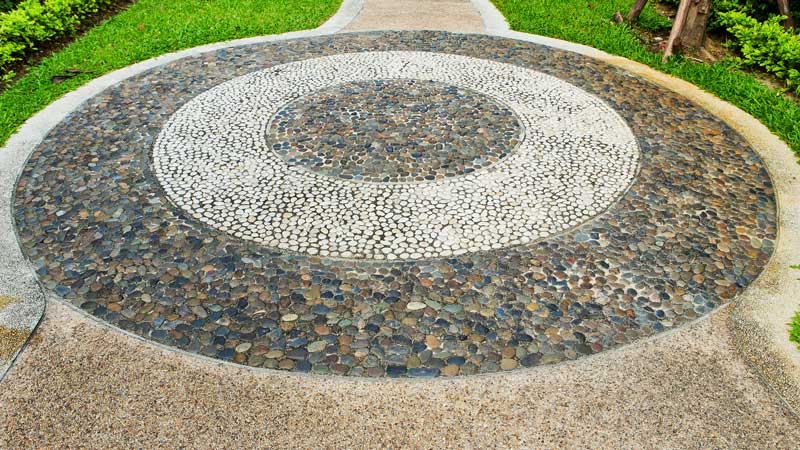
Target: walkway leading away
(449,15)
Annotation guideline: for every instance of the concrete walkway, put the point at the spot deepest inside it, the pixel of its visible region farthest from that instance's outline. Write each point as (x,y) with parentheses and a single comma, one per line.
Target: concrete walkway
(448,15)
(82,383)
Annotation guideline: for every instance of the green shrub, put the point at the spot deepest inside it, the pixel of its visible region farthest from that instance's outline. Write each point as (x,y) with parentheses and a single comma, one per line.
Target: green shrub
(767,45)
(759,9)
(33,22)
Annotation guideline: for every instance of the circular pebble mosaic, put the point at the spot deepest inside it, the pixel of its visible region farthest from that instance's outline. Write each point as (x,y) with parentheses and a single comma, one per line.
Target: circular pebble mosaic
(170,206)
(394,131)
(574,159)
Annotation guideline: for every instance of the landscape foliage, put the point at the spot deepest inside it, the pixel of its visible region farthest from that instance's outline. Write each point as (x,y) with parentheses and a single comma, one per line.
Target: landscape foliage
(766,44)
(794,329)
(145,29)
(33,22)
(758,9)
(757,32)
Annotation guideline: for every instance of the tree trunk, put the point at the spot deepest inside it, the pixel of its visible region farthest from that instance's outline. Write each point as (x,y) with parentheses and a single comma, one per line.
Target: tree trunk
(783,8)
(677,28)
(694,31)
(636,10)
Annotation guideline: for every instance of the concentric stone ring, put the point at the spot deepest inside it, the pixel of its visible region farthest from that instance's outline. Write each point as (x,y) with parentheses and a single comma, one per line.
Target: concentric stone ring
(575,157)
(162,207)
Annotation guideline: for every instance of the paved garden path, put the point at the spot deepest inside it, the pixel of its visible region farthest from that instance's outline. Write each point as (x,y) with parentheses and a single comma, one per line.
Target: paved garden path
(450,15)
(251,246)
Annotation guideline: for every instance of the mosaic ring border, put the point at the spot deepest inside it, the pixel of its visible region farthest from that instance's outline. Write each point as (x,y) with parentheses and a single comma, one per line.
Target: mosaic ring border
(776,154)
(461,40)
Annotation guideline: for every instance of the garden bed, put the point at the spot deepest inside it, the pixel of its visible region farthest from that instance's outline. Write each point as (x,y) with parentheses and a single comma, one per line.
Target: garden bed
(148,28)
(45,49)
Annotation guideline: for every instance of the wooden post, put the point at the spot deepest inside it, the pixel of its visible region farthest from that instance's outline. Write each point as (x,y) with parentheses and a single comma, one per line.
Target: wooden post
(636,10)
(694,30)
(783,8)
(677,27)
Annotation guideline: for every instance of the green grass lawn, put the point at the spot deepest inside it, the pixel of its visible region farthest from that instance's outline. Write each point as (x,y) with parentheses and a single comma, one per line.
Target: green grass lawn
(589,23)
(794,326)
(150,28)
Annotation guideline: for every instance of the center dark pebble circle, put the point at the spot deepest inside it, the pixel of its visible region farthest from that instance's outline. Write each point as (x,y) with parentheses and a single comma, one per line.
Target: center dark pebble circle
(394,131)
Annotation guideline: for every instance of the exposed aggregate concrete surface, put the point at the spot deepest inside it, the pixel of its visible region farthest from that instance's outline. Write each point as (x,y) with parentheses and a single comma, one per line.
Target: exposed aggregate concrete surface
(81,383)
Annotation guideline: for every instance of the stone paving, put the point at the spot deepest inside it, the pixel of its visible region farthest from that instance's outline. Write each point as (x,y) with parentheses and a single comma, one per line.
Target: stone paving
(394,204)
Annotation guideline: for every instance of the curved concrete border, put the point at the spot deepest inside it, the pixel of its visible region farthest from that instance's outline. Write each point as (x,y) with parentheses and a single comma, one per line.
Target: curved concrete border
(493,21)
(761,314)
(22,301)
(348,11)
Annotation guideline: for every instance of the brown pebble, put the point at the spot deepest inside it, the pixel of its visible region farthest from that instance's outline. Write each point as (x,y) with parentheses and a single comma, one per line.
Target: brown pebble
(451,370)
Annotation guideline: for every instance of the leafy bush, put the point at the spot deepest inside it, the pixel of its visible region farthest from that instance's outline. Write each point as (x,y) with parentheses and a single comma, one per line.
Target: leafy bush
(767,45)
(759,9)
(36,21)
